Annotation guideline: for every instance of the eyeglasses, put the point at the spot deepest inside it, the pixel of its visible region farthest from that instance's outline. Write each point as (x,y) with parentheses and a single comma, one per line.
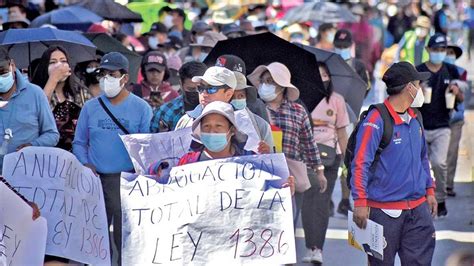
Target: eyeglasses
(210,90)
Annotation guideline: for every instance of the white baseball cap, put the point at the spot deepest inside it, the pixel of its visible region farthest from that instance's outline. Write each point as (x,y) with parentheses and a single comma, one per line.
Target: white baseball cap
(218,76)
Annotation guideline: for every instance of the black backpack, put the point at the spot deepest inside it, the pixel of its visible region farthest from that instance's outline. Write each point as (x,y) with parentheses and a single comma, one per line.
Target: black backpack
(384,142)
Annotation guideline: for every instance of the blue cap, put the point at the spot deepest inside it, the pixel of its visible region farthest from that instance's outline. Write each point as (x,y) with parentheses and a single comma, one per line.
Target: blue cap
(114,61)
(438,41)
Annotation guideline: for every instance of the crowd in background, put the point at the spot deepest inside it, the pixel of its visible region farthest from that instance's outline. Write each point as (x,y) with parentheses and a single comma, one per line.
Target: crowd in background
(59,103)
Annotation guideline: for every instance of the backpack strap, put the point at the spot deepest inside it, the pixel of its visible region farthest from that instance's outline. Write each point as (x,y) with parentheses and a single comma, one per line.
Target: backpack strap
(387,131)
(419,117)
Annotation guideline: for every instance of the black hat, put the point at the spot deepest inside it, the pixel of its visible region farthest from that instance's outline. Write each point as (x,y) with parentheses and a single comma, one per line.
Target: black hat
(173,42)
(231,62)
(231,28)
(457,50)
(438,41)
(114,61)
(343,38)
(158,27)
(154,60)
(400,74)
(200,27)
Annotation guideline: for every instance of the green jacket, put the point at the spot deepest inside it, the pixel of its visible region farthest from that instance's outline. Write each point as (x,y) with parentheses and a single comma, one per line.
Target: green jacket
(407,51)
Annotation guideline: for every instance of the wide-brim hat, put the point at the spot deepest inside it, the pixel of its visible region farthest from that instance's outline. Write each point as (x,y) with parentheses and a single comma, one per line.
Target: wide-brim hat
(221,108)
(280,74)
(457,50)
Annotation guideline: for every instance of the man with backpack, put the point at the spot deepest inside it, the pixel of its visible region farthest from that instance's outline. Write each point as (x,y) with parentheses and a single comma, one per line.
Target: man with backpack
(389,170)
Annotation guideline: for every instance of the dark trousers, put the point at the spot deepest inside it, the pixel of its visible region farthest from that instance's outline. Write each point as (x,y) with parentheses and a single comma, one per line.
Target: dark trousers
(315,209)
(412,236)
(113,208)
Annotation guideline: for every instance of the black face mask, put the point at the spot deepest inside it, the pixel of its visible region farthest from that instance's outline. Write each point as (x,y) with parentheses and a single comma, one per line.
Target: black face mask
(326,84)
(191,99)
(91,79)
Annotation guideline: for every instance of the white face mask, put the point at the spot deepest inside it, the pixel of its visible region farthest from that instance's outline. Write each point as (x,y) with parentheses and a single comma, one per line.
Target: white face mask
(267,92)
(419,99)
(168,21)
(90,70)
(110,86)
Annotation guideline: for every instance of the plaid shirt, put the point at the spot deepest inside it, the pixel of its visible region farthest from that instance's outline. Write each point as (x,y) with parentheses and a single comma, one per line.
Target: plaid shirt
(167,116)
(298,139)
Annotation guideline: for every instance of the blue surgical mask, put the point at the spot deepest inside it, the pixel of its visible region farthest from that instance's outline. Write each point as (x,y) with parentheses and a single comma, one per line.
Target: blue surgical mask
(450,59)
(239,104)
(344,53)
(153,42)
(267,92)
(202,57)
(214,142)
(6,81)
(330,37)
(437,57)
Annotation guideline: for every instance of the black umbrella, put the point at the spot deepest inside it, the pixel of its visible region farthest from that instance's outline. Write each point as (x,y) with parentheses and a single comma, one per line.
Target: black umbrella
(265,48)
(110,10)
(107,44)
(321,12)
(344,79)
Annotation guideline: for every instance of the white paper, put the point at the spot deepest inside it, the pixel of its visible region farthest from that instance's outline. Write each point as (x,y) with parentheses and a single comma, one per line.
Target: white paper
(69,196)
(370,240)
(210,213)
(145,149)
(22,240)
(244,123)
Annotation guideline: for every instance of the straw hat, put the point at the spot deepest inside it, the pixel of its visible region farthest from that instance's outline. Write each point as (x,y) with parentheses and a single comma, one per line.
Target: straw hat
(280,74)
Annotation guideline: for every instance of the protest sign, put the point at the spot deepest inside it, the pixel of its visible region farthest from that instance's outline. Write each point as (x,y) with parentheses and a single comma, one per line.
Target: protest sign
(370,240)
(230,211)
(145,149)
(22,240)
(69,196)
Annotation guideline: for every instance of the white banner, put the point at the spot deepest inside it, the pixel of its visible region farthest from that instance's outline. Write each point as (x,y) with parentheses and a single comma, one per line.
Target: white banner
(230,211)
(145,149)
(22,240)
(69,196)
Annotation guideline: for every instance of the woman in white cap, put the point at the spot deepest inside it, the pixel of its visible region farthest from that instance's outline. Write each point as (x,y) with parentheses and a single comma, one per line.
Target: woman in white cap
(298,142)
(217,130)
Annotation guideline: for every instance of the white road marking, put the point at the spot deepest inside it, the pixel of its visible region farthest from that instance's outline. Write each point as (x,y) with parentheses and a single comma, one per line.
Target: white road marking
(340,234)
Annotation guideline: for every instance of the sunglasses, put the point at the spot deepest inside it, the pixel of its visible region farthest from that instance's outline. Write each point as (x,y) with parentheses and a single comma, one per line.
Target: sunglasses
(210,90)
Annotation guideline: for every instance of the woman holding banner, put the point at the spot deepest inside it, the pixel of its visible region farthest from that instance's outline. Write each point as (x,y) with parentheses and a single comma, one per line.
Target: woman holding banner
(217,130)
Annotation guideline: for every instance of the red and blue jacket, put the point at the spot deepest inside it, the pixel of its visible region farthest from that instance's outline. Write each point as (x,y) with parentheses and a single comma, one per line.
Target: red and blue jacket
(402,178)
